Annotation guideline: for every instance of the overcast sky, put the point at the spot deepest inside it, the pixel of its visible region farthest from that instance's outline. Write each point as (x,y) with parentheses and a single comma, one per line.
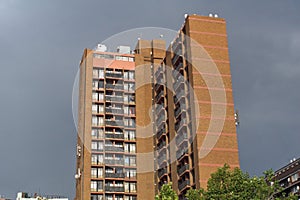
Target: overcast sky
(41,43)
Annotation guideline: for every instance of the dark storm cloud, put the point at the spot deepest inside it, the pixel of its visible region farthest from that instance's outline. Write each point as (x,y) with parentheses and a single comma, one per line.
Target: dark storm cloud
(41,43)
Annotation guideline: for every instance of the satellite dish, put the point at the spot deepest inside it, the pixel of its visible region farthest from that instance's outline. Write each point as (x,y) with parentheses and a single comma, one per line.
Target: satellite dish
(210,15)
(186,15)
(216,15)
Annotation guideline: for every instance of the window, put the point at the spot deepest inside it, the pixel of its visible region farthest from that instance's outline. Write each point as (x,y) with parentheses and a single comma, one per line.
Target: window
(132,187)
(97,197)
(96,172)
(126,75)
(101,96)
(101,73)
(130,173)
(95,96)
(130,160)
(97,159)
(97,146)
(95,84)
(96,186)
(126,110)
(131,75)
(130,59)
(94,108)
(109,197)
(295,177)
(95,73)
(97,133)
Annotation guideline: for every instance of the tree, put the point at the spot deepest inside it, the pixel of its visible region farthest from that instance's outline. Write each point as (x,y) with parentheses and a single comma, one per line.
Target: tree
(167,193)
(235,185)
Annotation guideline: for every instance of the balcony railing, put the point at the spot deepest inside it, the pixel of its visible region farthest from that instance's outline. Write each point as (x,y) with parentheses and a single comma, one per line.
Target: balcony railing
(114,123)
(159,95)
(160,120)
(114,98)
(180,123)
(114,75)
(158,72)
(177,55)
(180,153)
(183,184)
(114,162)
(179,66)
(162,172)
(114,189)
(160,132)
(179,109)
(114,175)
(178,82)
(183,168)
(180,138)
(179,95)
(161,158)
(114,110)
(114,135)
(115,87)
(114,148)
(161,145)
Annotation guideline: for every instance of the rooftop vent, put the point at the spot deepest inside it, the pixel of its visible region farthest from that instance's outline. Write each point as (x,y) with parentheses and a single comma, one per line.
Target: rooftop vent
(101,47)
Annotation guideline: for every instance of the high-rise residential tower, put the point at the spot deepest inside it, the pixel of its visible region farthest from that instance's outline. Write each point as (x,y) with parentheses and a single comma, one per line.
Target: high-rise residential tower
(195,121)
(106,149)
(156,116)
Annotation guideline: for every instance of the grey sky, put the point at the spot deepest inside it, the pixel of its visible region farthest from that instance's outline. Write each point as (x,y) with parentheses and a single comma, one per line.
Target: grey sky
(41,43)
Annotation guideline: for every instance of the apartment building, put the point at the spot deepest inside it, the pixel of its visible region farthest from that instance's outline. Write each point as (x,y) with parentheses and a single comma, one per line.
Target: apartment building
(157,115)
(288,178)
(106,149)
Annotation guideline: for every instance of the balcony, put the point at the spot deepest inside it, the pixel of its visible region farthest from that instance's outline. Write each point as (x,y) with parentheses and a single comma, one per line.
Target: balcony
(114,136)
(114,110)
(179,95)
(114,98)
(160,120)
(160,132)
(177,45)
(114,189)
(178,82)
(159,72)
(179,109)
(183,184)
(114,123)
(181,137)
(180,124)
(162,172)
(114,75)
(183,169)
(176,57)
(114,148)
(114,162)
(179,66)
(181,153)
(159,96)
(161,159)
(114,86)
(161,145)
(114,175)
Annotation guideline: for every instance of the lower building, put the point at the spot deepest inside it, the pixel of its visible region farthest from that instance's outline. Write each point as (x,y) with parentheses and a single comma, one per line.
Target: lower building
(26,196)
(288,178)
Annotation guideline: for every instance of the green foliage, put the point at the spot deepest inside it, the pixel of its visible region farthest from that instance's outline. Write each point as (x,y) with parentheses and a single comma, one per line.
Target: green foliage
(235,185)
(167,193)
